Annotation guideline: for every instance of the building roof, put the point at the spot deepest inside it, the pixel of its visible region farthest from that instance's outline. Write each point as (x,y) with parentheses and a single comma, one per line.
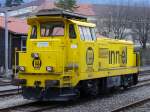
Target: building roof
(16,26)
(84,9)
(99,10)
(32,3)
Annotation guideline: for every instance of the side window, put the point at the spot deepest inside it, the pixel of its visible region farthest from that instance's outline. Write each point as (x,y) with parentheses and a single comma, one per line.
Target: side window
(23,43)
(85,33)
(72,33)
(89,37)
(81,33)
(34,32)
(93,33)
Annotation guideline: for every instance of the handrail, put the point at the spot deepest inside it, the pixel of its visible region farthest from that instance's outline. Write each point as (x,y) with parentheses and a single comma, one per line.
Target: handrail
(16,60)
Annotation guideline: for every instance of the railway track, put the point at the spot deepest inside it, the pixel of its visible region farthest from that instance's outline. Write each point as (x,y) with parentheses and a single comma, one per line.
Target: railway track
(31,107)
(39,107)
(5,84)
(36,107)
(7,109)
(45,108)
(10,92)
(141,84)
(143,73)
(144,82)
(7,89)
(131,105)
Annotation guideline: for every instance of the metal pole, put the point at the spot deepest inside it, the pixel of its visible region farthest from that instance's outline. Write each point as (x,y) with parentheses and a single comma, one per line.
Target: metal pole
(6,43)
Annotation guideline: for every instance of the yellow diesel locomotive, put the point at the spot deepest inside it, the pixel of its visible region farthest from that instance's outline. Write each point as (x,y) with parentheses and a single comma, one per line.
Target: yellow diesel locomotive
(64,59)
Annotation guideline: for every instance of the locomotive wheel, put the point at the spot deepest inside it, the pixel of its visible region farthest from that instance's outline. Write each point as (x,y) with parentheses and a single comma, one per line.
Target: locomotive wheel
(125,87)
(91,88)
(128,81)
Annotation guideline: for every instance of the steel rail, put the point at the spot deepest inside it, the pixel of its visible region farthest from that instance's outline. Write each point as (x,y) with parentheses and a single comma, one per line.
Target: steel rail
(5,84)
(29,105)
(10,92)
(134,104)
(7,109)
(45,108)
(131,105)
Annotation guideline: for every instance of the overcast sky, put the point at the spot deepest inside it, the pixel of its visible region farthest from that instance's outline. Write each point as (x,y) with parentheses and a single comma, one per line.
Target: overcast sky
(116,1)
(102,1)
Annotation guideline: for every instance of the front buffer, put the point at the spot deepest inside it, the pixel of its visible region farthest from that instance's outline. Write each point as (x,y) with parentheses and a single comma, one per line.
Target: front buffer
(47,93)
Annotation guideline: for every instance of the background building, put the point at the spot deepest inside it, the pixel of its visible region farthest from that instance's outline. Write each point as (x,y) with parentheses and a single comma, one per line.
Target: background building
(17,39)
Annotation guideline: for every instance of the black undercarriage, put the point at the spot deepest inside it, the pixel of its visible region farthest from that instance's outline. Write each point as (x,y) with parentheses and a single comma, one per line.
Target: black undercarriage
(49,94)
(87,88)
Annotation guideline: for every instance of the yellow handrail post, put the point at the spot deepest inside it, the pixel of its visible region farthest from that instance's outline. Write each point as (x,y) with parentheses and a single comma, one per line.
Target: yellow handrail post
(15,62)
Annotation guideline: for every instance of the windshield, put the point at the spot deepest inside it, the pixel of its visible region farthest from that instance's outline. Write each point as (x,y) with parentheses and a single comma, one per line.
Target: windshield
(49,29)
(33,32)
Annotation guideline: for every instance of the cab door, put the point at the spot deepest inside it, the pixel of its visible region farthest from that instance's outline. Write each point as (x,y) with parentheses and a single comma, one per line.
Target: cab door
(72,46)
(88,50)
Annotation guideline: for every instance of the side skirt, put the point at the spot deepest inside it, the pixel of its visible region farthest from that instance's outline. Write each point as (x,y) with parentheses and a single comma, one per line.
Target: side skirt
(103,85)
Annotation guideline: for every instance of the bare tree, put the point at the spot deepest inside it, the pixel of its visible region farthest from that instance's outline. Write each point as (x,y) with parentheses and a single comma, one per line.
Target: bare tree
(119,22)
(141,24)
(115,21)
(120,18)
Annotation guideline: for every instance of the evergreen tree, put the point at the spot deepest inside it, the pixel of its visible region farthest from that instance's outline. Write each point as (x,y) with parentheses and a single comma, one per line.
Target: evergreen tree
(66,4)
(10,3)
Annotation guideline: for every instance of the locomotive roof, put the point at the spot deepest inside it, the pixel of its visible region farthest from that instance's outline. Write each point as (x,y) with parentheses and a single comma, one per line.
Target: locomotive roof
(60,12)
(83,23)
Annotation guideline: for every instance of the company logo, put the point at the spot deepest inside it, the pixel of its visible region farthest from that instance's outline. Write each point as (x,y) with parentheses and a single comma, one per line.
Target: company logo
(36,63)
(89,56)
(124,55)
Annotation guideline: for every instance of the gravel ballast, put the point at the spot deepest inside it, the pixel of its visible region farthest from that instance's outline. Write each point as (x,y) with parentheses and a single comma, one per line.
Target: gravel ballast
(106,103)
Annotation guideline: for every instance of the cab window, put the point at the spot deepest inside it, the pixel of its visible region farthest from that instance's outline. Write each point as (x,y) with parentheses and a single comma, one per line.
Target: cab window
(33,32)
(72,33)
(93,33)
(87,33)
(86,37)
(52,29)
(81,33)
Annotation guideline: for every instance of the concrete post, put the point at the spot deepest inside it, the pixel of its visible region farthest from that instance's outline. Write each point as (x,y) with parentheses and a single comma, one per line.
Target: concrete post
(6,44)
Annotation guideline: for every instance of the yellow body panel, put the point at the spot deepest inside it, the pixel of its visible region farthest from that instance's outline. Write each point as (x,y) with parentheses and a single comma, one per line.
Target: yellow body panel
(75,58)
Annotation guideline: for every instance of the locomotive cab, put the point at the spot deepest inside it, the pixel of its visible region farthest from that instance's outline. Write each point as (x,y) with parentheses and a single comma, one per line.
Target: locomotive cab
(51,57)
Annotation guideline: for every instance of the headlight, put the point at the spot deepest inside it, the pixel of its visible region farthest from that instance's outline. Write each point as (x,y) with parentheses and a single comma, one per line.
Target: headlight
(21,68)
(49,69)
(35,55)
